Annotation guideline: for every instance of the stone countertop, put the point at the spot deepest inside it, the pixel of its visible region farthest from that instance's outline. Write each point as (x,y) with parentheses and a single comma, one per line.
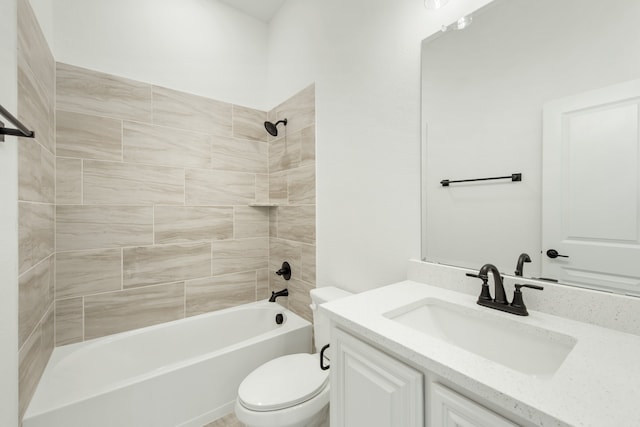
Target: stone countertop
(596,385)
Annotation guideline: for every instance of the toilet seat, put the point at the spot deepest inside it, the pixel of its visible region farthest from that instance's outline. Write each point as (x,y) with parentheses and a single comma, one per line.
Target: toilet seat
(283,383)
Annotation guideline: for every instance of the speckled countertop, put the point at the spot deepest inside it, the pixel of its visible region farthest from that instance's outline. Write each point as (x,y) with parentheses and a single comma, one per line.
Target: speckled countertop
(598,384)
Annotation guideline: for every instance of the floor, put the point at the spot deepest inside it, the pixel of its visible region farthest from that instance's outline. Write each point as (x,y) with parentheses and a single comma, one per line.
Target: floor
(229,420)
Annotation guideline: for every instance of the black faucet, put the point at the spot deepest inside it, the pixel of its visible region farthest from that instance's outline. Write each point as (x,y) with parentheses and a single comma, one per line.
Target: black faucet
(282,293)
(520,265)
(500,302)
(501,297)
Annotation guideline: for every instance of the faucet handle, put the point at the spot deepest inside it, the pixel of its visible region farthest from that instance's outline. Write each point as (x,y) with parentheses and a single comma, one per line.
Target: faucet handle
(528,286)
(485,293)
(518,302)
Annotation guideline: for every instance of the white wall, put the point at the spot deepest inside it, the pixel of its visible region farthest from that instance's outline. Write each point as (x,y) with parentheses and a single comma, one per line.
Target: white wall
(291,50)
(43,10)
(8,223)
(198,46)
(367,73)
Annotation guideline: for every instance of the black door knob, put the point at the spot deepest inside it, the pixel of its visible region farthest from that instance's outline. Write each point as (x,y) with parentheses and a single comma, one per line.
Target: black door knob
(552,253)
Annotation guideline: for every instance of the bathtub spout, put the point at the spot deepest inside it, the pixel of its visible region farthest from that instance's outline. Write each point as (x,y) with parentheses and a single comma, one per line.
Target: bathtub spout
(282,293)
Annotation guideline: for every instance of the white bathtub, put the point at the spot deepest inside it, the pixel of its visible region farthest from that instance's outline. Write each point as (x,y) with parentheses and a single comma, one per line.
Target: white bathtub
(182,373)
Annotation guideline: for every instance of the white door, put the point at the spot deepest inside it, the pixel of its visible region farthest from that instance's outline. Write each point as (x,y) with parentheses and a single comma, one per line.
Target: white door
(591,188)
(370,388)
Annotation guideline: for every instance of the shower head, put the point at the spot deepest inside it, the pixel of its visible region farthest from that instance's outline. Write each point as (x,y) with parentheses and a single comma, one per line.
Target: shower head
(273,128)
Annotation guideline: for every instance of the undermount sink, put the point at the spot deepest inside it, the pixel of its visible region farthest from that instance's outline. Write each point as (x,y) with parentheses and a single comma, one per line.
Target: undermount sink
(517,345)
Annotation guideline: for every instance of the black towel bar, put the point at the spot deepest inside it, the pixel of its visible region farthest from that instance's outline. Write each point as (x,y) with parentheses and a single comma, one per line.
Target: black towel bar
(512,177)
(21,129)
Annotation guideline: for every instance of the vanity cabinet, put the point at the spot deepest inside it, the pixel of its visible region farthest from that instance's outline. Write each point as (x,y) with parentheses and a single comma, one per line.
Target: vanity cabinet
(370,388)
(448,408)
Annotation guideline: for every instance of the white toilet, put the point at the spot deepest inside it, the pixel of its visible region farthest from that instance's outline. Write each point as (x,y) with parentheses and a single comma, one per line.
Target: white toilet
(292,390)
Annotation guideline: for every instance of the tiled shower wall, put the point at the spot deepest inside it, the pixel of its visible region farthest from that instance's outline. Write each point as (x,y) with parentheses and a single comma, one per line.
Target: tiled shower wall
(292,187)
(153,195)
(36,197)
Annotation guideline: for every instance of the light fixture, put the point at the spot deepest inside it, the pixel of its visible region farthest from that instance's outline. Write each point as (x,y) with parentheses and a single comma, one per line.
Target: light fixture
(460,24)
(435,4)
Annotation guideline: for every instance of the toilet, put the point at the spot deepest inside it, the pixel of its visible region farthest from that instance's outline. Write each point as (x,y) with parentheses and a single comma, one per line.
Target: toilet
(291,390)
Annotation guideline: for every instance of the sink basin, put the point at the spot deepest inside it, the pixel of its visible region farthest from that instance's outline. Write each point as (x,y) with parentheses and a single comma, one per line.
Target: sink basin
(520,346)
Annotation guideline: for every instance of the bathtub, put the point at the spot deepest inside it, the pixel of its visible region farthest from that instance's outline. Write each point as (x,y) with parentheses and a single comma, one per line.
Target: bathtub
(182,373)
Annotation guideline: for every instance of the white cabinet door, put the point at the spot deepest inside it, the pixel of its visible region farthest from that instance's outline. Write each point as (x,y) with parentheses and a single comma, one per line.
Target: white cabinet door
(450,409)
(591,188)
(370,388)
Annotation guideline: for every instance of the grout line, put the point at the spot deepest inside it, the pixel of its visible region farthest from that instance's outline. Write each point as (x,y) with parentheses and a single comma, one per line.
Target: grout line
(122,140)
(36,264)
(82,181)
(122,268)
(82,321)
(153,225)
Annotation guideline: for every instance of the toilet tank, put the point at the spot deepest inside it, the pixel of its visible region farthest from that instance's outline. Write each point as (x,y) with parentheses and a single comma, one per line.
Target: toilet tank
(321,322)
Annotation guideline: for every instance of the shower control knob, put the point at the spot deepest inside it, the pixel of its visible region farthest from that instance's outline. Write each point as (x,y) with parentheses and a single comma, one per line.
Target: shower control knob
(285,271)
(552,253)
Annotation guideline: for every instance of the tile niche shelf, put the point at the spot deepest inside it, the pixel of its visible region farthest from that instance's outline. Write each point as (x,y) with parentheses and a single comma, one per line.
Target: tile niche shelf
(264,205)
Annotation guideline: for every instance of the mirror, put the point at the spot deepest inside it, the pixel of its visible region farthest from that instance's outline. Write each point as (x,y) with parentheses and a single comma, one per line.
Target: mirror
(485,90)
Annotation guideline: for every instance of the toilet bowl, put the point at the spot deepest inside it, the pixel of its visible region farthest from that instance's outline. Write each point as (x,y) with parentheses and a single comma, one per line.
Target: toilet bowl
(291,390)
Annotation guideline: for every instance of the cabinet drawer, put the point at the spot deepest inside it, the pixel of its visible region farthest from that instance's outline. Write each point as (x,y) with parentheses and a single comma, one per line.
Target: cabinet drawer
(451,409)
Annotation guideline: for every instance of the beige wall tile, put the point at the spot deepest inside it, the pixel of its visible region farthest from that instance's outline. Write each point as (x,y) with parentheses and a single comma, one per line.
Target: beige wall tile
(308,146)
(240,155)
(91,92)
(36,183)
(33,49)
(216,293)
(285,153)
(219,188)
(233,256)
(151,265)
(301,184)
(191,112)
(93,227)
(262,284)
(131,184)
(69,321)
(88,137)
(297,223)
(31,365)
(273,223)
(115,312)
(177,224)
(48,334)
(300,110)
(300,298)
(35,107)
(35,296)
(278,192)
(250,222)
(88,272)
(308,261)
(36,172)
(249,123)
(153,144)
(68,181)
(262,188)
(35,233)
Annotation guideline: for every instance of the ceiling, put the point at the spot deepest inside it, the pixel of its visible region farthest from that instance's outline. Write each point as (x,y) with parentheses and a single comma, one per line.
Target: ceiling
(260,9)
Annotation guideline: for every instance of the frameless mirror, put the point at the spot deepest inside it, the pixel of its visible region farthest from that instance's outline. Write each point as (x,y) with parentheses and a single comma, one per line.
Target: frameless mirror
(550,90)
